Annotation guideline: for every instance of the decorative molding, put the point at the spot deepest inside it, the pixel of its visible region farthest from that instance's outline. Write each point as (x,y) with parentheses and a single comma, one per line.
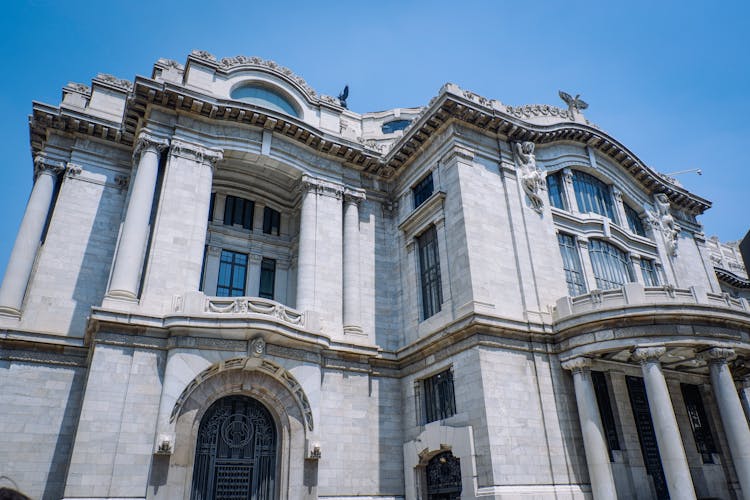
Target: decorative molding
(718,355)
(320,187)
(577,364)
(648,354)
(73,170)
(353,195)
(257,305)
(537,110)
(204,55)
(257,347)
(42,164)
(80,88)
(147,141)
(196,152)
(113,81)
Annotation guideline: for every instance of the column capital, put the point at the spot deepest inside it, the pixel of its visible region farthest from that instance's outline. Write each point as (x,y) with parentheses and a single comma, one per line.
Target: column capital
(44,165)
(717,355)
(214,250)
(577,364)
(648,354)
(196,152)
(354,196)
(320,187)
(147,142)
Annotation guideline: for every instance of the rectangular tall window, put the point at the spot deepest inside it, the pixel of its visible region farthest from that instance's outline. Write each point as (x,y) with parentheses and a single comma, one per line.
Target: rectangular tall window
(605,411)
(238,211)
(611,267)
(232,273)
(593,195)
(634,221)
(571,265)
(648,271)
(704,441)
(423,190)
(267,278)
(211,204)
(429,273)
(555,190)
(271,221)
(439,399)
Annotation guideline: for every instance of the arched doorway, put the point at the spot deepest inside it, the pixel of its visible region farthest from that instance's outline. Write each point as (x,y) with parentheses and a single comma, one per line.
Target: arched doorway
(235,454)
(443,477)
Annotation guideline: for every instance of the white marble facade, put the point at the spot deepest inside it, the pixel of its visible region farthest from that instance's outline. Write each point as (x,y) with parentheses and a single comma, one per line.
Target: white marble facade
(463,300)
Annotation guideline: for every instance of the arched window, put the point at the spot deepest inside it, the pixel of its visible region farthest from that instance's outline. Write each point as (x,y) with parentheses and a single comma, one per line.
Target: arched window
(555,190)
(235,456)
(444,477)
(264,97)
(611,267)
(593,195)
(634,221)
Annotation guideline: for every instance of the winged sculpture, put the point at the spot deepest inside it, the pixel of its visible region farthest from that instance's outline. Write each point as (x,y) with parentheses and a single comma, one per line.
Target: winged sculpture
(574,103)
(343,95)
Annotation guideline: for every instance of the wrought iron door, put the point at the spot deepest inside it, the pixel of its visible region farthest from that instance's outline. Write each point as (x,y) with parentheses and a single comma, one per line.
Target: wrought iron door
(647,436)
(444,477)
(235,456)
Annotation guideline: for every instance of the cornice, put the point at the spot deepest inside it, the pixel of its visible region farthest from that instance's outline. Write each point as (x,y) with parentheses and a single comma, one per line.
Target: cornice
(731,279)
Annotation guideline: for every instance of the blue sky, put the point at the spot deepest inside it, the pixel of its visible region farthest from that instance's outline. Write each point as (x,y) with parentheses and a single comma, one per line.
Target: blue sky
(669,80)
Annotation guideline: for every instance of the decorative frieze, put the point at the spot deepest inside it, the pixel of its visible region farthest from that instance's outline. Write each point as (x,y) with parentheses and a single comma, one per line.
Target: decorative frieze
(257,305)
(537,110)
(195,152)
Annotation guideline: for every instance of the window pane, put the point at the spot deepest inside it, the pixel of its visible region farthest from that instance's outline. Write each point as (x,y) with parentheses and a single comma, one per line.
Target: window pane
(554,188)
(699,422)
(440,401)
(429,269)
(571,265)
(247,214)
(229,210)
(593,195)
(271,221)
(605,411)
(634,221)
(611,268)
(423,190)
(267,278)
(232,271)
(648,271)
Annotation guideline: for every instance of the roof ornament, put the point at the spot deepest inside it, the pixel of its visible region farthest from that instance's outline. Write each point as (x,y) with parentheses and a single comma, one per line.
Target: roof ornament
(343,95)
(575,105)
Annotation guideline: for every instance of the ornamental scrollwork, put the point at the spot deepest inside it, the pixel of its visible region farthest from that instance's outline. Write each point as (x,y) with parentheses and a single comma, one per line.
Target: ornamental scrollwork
(538,110)
(233,62)
(532,177)
(115,82)
(663,220)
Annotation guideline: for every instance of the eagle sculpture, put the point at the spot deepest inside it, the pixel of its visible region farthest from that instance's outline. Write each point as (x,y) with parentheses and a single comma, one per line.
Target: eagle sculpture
(343,95)
(574,103)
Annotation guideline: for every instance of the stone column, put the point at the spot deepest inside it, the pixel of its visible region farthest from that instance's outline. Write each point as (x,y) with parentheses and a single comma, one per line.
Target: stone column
(352,300)
(211,273)
(594,441)
(29,235)
(129,259)
(306,246)
(668,437)
(732,415)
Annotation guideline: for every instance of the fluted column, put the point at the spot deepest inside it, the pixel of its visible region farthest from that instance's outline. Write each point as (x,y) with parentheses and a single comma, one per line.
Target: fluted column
(668,437)
(306,247)
(25,248)
(732,415)
(352,301)
(594,441)
(129,258)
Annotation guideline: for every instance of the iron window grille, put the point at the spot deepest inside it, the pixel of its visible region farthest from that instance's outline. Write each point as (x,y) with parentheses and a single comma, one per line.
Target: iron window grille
(423,190)
(232,272)
(605,411)
(555,190)
(267,278)
(571,264)
(439,397)
(634,221)
(239,211)
(704,440)
(611,267)
(593,195)
(429,273)
(271,221)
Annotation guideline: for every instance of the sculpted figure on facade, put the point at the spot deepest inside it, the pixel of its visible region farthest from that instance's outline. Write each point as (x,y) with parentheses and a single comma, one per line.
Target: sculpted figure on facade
(532,177)
(664,221)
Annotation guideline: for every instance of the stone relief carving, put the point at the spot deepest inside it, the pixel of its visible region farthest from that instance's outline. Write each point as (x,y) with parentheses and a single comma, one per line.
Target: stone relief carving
(233,62)
(146,141)
(371,144)
(244,305)
(662,220)
(648,354)
(114,81)
(532,177)
(196,153)
(79,87)
(576,364)
(203,54)
(534,110)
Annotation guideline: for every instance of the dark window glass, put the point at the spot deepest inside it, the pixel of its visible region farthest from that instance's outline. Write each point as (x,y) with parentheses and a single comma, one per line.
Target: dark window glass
(238,211)
(571,265)
(429,273)
(648,270)
(555,190)
(634,221)
(423,190)
(211,204)
(232,271)
(593,195)
(271,221)
(267,278)
(704,441)
(610,264)
(605,411)
(439,400)
(393,126)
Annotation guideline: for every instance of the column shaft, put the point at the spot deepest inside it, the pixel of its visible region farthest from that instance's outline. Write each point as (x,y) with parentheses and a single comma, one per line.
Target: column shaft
(352,314)
(25,248)
(733,418)
(129,259)
(306,250)
(594,441)
(668,437)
